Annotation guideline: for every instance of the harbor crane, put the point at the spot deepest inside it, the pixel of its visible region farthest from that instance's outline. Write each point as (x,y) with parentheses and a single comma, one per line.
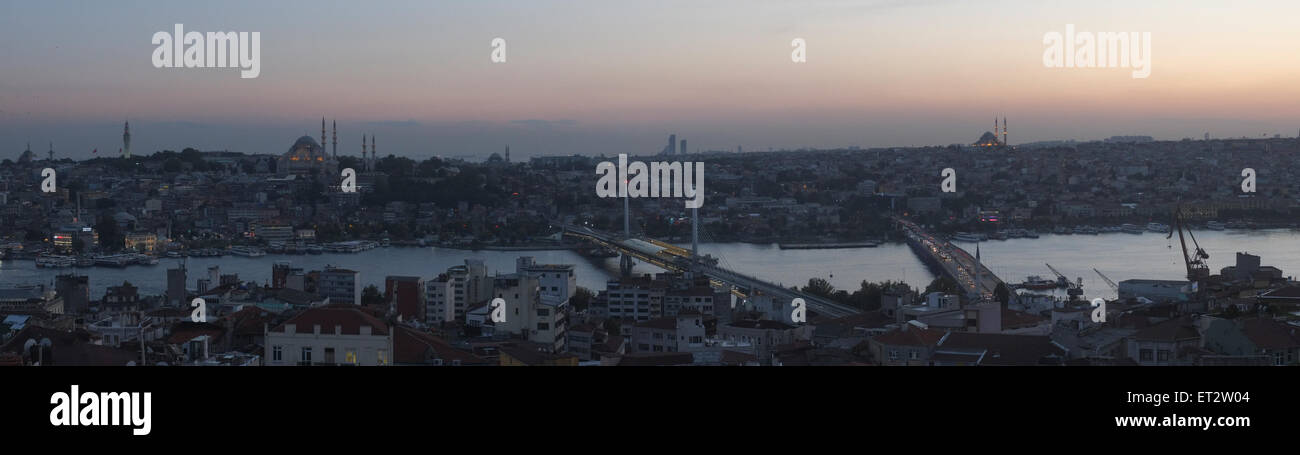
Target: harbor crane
(1106,279)
(1071,289)
(1197,269)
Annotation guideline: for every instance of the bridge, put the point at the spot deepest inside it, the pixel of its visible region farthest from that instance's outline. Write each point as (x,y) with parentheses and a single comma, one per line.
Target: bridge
(972,275)
(677,259)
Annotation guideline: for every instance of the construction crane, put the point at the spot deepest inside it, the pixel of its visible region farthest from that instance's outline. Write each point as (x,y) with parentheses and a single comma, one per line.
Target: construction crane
(1197,269)
(1106,279)
(1071,289)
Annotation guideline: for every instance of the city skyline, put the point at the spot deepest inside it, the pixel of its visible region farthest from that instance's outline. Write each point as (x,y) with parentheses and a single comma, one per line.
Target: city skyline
(590,78)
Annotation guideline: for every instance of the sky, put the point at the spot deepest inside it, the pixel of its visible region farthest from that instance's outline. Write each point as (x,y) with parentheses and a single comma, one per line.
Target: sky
(608,77)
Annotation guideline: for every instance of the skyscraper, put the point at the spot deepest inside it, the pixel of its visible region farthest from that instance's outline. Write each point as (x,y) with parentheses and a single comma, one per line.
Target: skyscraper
(672,144)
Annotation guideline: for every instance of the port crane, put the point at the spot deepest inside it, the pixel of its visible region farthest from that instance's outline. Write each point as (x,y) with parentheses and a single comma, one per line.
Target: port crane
(1106,279)
(1197,269)
(1071,289)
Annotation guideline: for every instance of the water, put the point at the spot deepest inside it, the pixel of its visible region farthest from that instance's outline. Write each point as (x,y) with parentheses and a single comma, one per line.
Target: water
(1119,256)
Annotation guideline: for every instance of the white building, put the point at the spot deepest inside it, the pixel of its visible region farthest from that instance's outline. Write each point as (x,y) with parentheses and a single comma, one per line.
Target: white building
(340,285)
(332,334)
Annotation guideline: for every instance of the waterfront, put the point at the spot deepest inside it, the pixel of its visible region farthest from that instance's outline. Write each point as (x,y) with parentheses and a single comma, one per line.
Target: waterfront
(1119,256)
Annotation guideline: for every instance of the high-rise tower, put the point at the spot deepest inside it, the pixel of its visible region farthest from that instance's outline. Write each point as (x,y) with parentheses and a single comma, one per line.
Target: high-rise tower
(126,140)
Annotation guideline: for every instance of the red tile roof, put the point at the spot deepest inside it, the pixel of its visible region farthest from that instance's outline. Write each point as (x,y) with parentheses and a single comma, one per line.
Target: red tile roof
(350,317)
(910,336)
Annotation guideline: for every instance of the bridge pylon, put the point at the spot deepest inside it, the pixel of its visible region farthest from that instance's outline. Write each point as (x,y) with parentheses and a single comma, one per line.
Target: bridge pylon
(625,265)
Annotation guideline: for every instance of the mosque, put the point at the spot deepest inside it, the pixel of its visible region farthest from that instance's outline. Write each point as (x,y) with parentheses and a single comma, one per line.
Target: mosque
(990,139)
(307,157)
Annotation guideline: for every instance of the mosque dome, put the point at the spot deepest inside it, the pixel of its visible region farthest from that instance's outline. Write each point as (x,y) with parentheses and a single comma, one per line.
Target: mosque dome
(304,156)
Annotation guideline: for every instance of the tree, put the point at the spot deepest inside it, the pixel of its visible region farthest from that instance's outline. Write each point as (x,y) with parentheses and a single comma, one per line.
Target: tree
(581,299)
(371,296)
(1002,294)
(819,287)
(943,284)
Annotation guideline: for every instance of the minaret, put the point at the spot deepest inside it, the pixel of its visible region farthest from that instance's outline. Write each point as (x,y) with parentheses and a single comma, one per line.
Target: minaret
(363,153)
(51,151)
(995,127)
(507,154)
(336,140)
(322,134)
(1004,131)
(126,141)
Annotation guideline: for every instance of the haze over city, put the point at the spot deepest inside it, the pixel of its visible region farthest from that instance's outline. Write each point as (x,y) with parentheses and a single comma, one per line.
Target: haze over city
(611,77)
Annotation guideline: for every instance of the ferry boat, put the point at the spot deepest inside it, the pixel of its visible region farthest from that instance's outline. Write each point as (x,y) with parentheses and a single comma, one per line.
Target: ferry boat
(1157,227)
(968,237)
(1062,230)
(116,260)
(174,254)
(1085,230)
(55,262)
(247,251)
(1215,226)
(1038,283)
(1130,229)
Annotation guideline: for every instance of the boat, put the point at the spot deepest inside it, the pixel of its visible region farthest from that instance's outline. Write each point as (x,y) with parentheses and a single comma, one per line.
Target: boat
(968,237)
(1038,283)
(1130,229)
(1062,230)
(247,251)
(55,261)
(1157,228)
(116,260)
(1215,226)
(174,254)
(85,261)
(314,249)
